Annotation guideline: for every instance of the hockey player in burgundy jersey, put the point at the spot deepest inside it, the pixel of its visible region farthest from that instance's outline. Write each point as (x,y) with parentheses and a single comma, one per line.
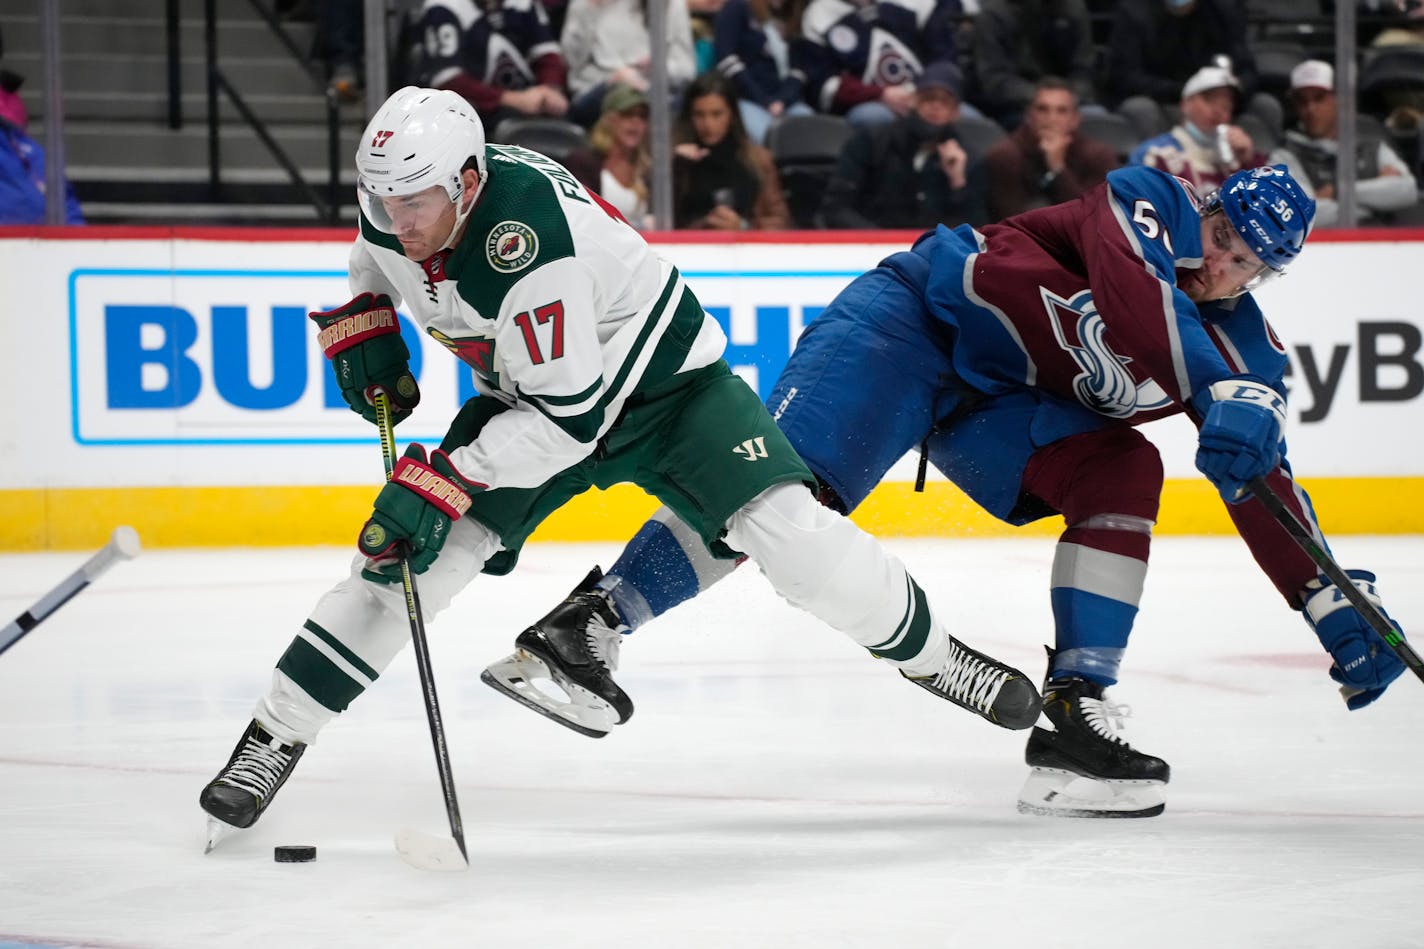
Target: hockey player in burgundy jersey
(1019,358)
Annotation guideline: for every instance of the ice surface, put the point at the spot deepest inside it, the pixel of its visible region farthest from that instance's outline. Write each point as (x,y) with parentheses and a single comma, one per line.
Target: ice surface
(775,788)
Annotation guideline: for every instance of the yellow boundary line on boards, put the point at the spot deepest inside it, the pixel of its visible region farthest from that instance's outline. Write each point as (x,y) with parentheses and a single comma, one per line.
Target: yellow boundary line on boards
(82,518)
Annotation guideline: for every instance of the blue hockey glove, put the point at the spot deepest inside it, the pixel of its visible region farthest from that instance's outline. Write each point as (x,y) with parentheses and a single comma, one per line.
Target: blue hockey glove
(1240,435)
(362,339)
(1364,663)
(413,516)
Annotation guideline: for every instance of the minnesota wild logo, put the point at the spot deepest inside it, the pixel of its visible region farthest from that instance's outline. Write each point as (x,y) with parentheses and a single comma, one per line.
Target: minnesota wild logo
(511,246)
(477,352)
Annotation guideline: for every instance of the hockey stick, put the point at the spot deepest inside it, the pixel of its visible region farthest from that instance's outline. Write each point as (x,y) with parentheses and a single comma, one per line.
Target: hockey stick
(123,545)
(1302,536)
(425,851)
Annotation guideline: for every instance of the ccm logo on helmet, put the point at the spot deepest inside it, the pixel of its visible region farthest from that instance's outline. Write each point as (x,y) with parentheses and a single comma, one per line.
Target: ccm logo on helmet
(380,138)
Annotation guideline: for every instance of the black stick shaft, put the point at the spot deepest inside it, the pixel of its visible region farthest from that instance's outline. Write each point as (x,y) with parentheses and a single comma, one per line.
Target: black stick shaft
(1313,549)
(422,648)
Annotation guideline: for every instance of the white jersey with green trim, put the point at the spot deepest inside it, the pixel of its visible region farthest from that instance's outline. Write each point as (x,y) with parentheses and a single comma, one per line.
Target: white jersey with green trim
(562,310)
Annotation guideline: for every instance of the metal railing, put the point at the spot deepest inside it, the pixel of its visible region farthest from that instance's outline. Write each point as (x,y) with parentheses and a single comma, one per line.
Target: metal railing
(328,204)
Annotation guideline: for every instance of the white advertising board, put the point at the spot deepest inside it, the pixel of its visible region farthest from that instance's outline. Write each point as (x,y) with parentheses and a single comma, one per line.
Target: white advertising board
(162,361)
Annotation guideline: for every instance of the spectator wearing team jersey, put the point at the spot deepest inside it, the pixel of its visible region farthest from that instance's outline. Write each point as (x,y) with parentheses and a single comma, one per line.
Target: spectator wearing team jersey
(1205,147)
(500,55)
(606,43)
(861,59)
(752,46)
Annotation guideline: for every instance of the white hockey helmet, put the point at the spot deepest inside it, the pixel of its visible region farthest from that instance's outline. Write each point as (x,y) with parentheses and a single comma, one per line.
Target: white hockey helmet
(418,139)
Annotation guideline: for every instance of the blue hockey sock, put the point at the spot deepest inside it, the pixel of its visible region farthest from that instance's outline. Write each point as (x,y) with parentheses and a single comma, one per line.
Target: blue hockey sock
(651,576)
(1092,635)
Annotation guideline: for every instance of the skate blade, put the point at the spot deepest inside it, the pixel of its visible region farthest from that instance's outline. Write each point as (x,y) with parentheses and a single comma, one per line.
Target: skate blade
(436,852)
(1050,792)
(582,711)
(218,831)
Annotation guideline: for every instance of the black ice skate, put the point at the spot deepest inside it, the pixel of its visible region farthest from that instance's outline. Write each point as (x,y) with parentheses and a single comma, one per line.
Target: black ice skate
(246,785)
(575,647)
(1083,768)
(985,686)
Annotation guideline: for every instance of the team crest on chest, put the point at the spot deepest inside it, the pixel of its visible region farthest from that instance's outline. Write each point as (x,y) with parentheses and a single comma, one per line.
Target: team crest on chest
(511,246)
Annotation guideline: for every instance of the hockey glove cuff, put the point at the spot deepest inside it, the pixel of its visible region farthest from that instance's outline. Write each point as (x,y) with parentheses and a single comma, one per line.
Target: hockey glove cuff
(1364,664)
(413,515)
(1240,436)
(362,340)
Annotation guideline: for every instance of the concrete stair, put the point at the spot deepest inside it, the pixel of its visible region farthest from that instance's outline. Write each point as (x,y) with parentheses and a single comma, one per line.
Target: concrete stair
(128,166)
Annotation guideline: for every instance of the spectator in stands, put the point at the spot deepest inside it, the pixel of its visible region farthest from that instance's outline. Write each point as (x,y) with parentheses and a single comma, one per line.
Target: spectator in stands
(1018,42)
(721,179)
(1045,161)
(752,48)
(606,43)
(1204,148)
(912,172)
(22,164)
(617,166)
(1383,181)
(1391,84)
(861,59)
(1155,46)
(500,55)
(340,42)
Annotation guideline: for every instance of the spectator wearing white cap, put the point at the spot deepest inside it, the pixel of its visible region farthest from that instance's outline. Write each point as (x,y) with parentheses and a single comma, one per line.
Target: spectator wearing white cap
(1204,148)
(1383,181)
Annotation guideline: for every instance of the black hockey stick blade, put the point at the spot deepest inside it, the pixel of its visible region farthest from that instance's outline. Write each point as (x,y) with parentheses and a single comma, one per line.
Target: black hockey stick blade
(1302,536)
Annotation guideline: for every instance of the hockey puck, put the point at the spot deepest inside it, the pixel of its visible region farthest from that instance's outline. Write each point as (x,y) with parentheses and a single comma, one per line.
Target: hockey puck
(294,854)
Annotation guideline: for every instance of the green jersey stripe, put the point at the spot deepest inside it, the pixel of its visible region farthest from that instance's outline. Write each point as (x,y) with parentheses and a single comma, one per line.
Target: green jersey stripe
(583,428)
(615,388)
(574,399)
(913,630)
(318,676)
(341,650)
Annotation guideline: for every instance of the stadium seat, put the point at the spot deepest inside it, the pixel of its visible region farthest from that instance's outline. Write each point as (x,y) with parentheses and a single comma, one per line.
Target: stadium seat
(805,149)
(552,137)
(977,134)
(1112,130)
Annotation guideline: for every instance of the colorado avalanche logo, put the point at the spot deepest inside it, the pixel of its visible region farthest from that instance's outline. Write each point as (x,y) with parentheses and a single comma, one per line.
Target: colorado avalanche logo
(1104,385)
(511,246)
(888,61)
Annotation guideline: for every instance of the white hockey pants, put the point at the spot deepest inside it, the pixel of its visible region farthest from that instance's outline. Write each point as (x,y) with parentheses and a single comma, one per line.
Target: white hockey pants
(821,562)
(369,621)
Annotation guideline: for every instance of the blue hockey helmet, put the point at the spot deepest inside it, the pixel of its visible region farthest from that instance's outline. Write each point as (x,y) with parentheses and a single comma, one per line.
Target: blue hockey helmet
(1270,211)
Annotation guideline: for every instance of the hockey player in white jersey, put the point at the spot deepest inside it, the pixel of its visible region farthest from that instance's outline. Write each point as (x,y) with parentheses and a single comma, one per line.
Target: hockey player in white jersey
(596,365)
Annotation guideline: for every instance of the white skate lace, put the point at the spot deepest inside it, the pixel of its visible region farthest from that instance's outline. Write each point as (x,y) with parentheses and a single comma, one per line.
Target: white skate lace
(969,679)
(1105,717)
(603,641)
(257,768)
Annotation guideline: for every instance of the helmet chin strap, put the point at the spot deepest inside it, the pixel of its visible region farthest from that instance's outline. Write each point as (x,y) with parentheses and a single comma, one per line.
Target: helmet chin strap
(462,214)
